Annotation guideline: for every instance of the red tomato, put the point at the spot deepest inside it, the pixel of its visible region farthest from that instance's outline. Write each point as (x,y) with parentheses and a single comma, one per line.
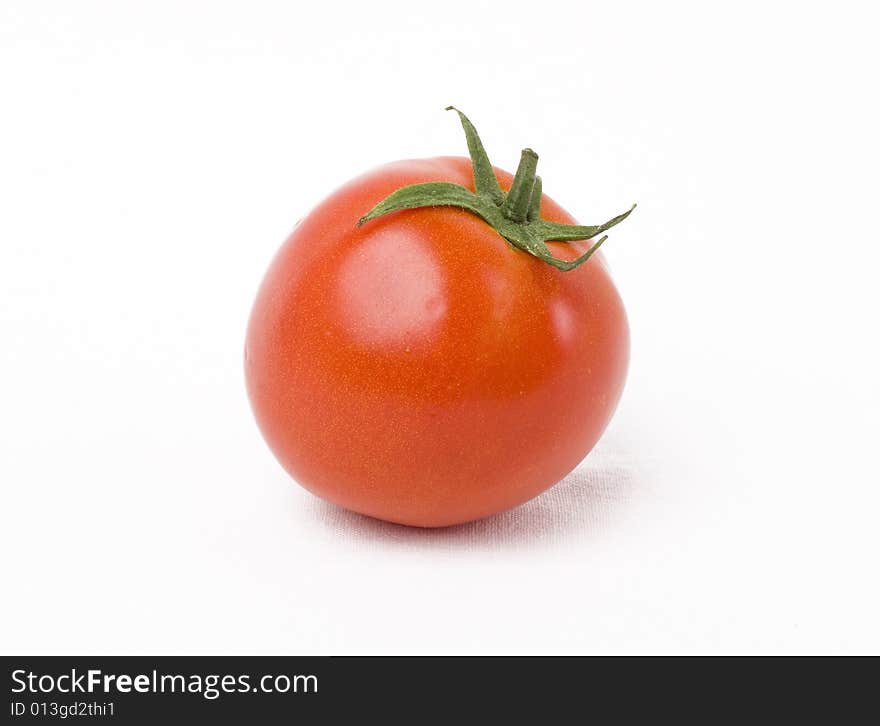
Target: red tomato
(421,370)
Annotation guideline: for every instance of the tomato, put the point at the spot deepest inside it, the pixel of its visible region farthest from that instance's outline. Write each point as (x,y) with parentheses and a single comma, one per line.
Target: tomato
(420,368)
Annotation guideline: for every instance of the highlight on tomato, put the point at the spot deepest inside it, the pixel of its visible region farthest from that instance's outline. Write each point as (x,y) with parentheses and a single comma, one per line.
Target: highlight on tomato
(437,341)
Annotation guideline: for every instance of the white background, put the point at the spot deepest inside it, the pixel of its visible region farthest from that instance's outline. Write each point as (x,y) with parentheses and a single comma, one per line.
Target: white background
(154,155)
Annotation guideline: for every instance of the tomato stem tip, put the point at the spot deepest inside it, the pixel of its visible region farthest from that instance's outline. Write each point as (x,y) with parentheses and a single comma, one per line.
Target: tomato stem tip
(515,215)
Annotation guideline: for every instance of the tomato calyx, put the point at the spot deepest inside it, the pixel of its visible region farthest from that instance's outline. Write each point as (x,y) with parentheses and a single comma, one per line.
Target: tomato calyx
(515,215)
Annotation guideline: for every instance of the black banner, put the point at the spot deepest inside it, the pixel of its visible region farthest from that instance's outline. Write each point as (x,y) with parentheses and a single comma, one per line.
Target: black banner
(260,689)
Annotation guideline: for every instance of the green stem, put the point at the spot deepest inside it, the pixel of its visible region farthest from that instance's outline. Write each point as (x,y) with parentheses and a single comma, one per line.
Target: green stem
(516,216)
(516,206)
(535,201)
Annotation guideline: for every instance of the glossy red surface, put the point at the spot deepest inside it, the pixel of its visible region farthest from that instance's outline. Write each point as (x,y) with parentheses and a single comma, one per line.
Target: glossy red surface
(419,369)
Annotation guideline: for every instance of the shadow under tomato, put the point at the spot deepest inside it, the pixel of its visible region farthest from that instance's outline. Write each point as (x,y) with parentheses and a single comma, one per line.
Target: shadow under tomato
(582,505)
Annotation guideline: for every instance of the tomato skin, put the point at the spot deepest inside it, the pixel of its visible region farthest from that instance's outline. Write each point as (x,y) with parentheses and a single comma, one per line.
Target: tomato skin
(419,369)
